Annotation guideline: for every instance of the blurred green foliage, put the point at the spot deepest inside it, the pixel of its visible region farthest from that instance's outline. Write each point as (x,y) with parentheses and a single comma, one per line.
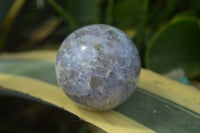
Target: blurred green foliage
(4,6)
(142,20)
(176,47)
(166,32)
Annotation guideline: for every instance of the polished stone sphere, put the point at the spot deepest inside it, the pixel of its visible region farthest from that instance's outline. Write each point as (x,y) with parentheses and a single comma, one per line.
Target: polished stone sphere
(98,67)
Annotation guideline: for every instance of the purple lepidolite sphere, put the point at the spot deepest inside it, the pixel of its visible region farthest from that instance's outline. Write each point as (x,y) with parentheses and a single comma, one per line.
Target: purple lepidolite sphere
(98,67)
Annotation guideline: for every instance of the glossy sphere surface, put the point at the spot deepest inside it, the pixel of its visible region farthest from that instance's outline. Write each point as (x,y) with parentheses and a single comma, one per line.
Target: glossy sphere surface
(98,67)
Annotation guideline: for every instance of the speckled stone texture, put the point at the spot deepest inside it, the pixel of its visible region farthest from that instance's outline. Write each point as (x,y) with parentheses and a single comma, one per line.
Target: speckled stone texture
(98,67)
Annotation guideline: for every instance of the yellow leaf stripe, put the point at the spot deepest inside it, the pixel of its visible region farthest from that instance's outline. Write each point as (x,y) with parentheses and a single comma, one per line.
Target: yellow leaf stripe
(43,55)
(174,91)
(185,95)
(110,121)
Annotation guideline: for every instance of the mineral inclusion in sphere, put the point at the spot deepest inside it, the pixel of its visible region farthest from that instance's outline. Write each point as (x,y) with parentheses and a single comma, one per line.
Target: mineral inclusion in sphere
(98,67)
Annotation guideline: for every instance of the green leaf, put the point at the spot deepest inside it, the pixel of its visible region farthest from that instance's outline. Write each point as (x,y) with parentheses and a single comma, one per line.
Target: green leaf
(66,16)
(85,12)
(128,13)
(176,47)
(157,105)
(162,11)
(35,69)
(195,5)
(187,13)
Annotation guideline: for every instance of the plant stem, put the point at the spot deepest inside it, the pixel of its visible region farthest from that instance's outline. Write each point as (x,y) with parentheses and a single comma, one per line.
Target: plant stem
(67,18)
(109,11)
